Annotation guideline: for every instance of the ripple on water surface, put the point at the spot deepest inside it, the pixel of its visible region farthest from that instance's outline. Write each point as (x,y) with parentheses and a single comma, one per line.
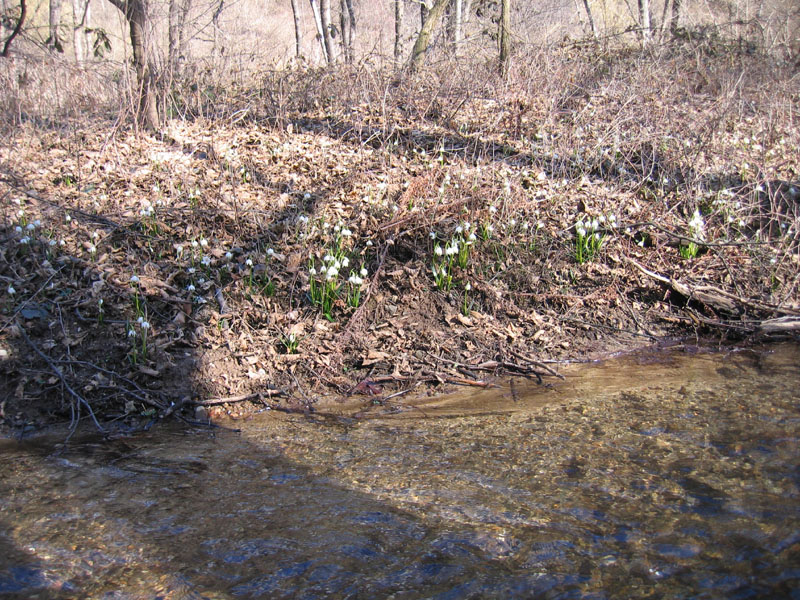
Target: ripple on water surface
(649,476)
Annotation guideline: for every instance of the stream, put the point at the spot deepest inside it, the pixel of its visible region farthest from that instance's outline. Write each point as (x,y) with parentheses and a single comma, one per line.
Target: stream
(653,475)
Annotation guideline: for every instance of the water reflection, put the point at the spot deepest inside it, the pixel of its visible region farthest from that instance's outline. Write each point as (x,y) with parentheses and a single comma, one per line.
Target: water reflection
(638,479)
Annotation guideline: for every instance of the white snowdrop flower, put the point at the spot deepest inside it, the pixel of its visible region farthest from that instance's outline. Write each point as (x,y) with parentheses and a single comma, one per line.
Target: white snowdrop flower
(145,325)
(52,243)
(595,224)
(191,270)
(338,228)
(437,250)
(191,287)
(597,237)
(206,260)
(92,248)
(492,209)
(249,262)
(452,249)
(332,274)
(468,287)
(140,320)
(61,242)
(20,213)
(134,279)
(131,333)
(472,237)
(95,235)
(270,252)
(353,279)
(539,225)
(37,223)
(201,280)
(302,219)
(641,242)
(306,196)
(490,228)
(11,290)
(459,229)
(100,302)
(369,243)
(203,242)
(345,262)
(579,225)
(772,261)
(602,219)
(228,255)
(363,272)
(512,222)
(30,227)
(741,223)
(195,244)
(432,235)
(395,208)
(18,229)
(346,232)
(312,271)
(179,250)
(329,258)
(467,225)
(323,270)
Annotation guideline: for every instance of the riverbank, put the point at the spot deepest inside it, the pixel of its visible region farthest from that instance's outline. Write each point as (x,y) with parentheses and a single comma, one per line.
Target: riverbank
(353,248)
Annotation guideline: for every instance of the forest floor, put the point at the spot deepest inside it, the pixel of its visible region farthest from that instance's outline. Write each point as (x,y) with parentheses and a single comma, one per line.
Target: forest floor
(357,250)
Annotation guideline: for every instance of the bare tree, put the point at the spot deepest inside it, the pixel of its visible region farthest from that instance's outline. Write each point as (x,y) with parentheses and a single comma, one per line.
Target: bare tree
(298,36)
(644,20)
(315,9)
(458,22)
(176,32)
(327,30)
(81,23)
(138,17)
(505,36)
(347,25)
(591,19)
(23,11)
(398,30)
(423,39)
(53,41)
(676,15)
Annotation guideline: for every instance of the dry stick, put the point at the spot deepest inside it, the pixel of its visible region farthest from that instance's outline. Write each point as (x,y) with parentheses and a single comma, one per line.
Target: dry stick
(142,395)
(60,375)
(269,393)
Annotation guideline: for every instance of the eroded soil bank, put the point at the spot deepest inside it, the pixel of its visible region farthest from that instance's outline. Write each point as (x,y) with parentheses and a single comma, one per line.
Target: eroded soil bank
(360,250)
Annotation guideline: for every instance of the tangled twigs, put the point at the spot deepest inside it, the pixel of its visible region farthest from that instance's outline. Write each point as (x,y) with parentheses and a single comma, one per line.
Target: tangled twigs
(80,399)
(268,393)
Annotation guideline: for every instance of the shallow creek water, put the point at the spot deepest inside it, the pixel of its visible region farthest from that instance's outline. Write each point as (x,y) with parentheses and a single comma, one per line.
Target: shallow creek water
(653,475)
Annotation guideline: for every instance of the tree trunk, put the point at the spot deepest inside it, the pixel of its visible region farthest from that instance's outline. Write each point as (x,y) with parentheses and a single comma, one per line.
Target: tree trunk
(644,20)
(424,37)
(318,23)
(216,28)
(591,19)
(458,22)
(351,29)
(676,15)
(298,36)
(178,11)
(505,36)
(398,30)
(81,19)
(327,32)
(136,13)
(23,12)
(54,22)
(424,9)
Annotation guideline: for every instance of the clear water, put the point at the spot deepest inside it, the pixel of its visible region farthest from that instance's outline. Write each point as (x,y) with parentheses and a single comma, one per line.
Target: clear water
(653,476)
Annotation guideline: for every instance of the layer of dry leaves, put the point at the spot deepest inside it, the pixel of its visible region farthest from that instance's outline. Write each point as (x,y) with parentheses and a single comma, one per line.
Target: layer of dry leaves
(221,224)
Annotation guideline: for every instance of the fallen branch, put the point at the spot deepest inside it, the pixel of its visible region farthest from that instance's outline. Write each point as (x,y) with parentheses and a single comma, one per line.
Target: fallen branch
(269,393)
